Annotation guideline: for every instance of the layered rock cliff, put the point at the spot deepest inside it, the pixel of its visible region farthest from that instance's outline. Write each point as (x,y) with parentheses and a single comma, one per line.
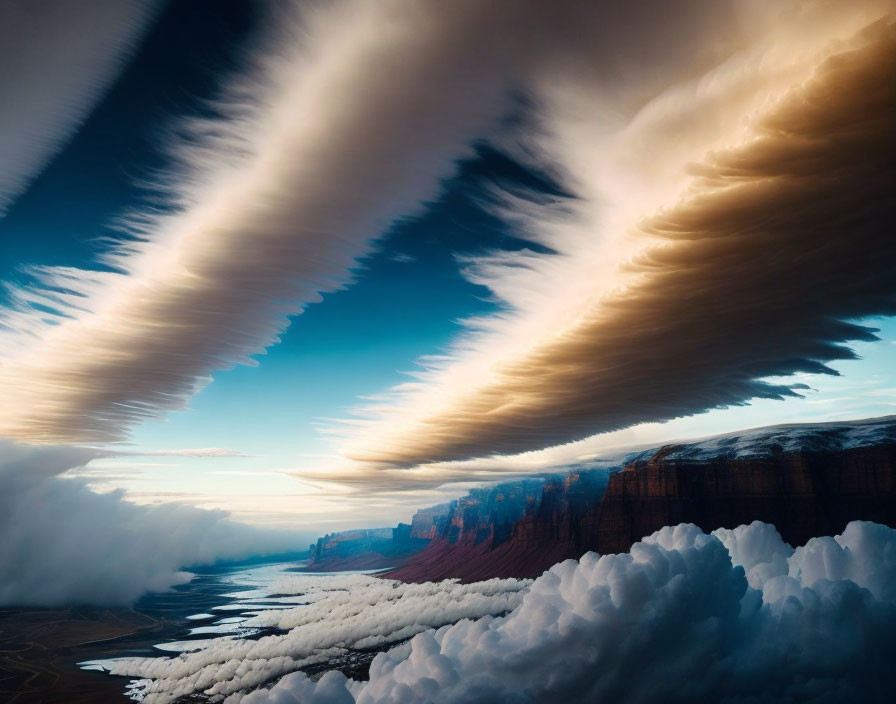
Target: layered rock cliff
(807,480)
(512,530)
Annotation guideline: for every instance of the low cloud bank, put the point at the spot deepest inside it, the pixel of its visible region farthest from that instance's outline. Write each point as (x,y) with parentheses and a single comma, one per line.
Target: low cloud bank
(344,611)
(737,615)
(61,543)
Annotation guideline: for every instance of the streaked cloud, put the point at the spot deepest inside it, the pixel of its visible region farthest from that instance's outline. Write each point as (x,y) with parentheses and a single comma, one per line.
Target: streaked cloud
(312,155)
(197,452)
(687,275)
(659,298)
(58,58)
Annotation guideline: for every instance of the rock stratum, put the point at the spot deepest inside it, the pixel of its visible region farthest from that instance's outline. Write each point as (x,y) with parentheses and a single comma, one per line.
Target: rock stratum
(807,480)
(804,480)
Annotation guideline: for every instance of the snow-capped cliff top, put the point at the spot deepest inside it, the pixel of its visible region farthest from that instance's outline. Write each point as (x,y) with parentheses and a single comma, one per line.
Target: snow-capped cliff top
(776,439)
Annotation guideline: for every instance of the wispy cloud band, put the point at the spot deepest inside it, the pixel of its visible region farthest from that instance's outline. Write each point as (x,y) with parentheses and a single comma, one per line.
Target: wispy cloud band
(780,240)
(346,118)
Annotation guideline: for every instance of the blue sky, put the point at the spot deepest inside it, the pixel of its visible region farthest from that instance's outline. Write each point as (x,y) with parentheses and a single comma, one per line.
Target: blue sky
(405,300)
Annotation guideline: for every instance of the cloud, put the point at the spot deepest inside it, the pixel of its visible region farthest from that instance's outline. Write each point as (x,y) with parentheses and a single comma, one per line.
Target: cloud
(61,543)
(733,616)
(611,451)
(312,156)
(185,452)
(58,58)
(343,611)
(725,233)
(660,299)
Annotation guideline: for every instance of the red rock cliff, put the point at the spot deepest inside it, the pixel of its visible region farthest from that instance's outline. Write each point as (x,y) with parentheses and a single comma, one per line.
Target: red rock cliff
(803,494)
(807,480)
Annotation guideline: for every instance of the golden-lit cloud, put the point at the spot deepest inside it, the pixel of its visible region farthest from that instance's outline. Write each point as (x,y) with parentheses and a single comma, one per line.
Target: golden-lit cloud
(345,118)
(679,284)
(669,288)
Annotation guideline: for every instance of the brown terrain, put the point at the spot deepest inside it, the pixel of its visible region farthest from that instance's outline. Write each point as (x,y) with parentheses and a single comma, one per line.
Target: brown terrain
(39,649)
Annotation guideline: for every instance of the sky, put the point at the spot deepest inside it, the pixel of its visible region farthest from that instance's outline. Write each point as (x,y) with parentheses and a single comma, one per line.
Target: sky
(320,264)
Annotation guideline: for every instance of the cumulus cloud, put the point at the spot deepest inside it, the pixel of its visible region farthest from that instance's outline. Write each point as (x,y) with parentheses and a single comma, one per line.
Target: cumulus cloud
(345,118)
(728,231)
(61,543)
(733,616)
(58,58)
(342,612)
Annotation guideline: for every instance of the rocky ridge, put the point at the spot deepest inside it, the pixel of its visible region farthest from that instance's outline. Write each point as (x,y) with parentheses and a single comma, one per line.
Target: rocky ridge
(807,480)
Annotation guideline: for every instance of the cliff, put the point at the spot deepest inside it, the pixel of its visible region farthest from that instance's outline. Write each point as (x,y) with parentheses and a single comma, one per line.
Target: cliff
(511,530)
(363,549)
(807,480)
(807,486)
(430,522)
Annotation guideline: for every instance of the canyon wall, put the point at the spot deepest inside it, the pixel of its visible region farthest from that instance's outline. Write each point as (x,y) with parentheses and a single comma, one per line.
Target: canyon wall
(806,480)
(803,494)
(364,549)
(512,530)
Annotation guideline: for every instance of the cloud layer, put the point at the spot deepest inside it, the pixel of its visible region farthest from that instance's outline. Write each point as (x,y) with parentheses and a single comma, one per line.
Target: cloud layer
(61,543)
(58,57)
(344,611)
(730,213)
(346,117)
(733,616)
(670,295)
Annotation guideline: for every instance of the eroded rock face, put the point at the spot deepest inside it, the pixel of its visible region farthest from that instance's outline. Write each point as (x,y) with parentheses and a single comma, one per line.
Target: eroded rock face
(430,522)
(373,548)
(805,493)
(512,530)
(806,480)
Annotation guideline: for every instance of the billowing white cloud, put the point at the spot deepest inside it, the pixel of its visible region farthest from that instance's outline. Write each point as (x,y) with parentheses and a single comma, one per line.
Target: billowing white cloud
(676,619)
(58,57)
(61,543)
